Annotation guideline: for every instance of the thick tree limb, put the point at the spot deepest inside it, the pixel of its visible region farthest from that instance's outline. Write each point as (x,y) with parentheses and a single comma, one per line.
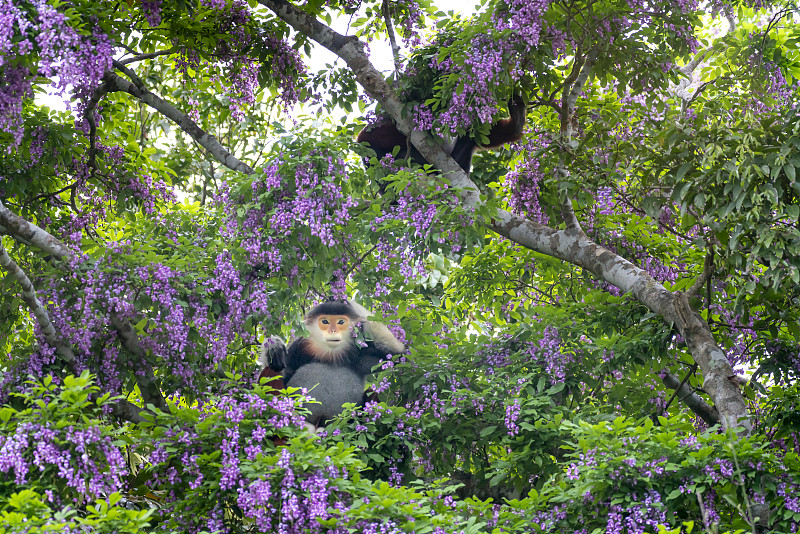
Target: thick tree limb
(674,308)
(127,411)
(148,387)
(206,140)
(28,233)
(36,307)
(692,400)
(4,230)
(568,245)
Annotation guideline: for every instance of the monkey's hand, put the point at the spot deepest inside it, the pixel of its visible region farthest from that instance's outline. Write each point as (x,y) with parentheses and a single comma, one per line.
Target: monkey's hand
(383,338)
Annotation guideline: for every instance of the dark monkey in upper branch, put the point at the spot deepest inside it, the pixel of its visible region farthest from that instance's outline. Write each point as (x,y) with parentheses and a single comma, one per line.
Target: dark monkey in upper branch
(383,137)
(329,363)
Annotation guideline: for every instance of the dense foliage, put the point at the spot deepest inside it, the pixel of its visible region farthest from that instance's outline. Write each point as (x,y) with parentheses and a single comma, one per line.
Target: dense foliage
(601,319)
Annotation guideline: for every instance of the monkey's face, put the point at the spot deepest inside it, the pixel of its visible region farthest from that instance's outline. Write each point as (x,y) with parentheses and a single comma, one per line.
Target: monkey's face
(334,330)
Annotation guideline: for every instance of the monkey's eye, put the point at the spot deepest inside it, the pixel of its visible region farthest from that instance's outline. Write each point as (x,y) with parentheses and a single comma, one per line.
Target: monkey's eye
(324,321)
(342,321)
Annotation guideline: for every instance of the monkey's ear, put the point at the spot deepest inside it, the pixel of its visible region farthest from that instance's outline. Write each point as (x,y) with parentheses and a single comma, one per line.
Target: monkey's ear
(273,354)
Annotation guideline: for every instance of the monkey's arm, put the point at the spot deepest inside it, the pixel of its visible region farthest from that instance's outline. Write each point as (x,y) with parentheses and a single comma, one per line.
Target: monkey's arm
(382,137)
(379,334)
(382,343)
(510,129)
(296,356)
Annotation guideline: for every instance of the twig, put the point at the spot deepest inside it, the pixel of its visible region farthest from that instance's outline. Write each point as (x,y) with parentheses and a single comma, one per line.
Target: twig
(88,114)
(708,270)
(387,18)
(151,55)
(572,90)
(148,387)
(206,140)
(691,399)
(361,259)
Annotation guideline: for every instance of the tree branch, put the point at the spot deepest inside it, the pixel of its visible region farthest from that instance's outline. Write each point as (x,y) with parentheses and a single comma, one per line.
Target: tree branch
(36,307)
(128,411)
(206,140)
(573,87)
(88,114)
(130,73)
(569,245)
(387,18)
(691,399)
(152,55)
(148,387)
(28,233)
(688,70)
(708,269)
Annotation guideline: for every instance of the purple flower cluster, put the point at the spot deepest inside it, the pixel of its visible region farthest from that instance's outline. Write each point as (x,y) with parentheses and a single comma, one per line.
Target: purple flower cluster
(275,489)
(777,94)
(791,496)
(512,414)
(496,357)
(711,516)
(719,469)
(299,202)
(523,182)
(15,87)
(548,352)
(524,19)
(485,63)
(152,12)
(15,79)
(641,517)
(75,61)
(475,74)
(586,462)
(238,57)
(83,458)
